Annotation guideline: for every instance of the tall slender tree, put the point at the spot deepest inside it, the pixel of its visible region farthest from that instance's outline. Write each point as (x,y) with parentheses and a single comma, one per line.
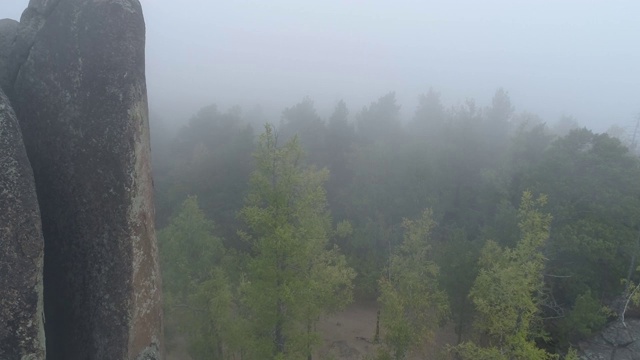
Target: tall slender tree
(293,276)
(198,296)
(412,303)
(507,291)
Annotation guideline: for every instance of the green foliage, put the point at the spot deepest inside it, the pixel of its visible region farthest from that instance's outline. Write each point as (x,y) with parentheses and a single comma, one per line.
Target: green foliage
(572,354)
(469,350)
(457,259)
(198,297)
(468,163)
(429,117)
(216,329)
(507,291)
(377,202)
(292,276)
(380,121)
(344,229)
(188,252)
(339,146)
(586,317)
(412,305)
(302,121)
(593,183)
(383,353)
(634,296)
(209,157)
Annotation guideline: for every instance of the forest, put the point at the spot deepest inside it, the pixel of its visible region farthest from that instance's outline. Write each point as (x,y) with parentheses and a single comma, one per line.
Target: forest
(519,235)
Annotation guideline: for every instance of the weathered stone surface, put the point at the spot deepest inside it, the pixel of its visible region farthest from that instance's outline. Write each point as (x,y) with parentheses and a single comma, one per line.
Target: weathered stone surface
(8,34)
(21,247)
(80,95)
(615,342)
(31,22)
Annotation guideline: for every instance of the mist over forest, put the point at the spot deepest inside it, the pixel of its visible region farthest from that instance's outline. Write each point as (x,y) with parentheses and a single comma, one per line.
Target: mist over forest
(430,183)
(555,59)
(377,180)
(475,221)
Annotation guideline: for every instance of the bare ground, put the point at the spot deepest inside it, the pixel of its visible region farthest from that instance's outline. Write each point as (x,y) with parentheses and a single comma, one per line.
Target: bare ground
(177,348)
(347,335)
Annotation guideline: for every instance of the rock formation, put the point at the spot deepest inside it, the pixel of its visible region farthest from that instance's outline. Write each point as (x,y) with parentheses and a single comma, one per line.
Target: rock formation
(8,34)
(75,77)
(21,247)
(615,342)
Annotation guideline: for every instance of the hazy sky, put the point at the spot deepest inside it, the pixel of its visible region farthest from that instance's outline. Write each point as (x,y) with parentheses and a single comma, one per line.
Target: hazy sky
(574,57)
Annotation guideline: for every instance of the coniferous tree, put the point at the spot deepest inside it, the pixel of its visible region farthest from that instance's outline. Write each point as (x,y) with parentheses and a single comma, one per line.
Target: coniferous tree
(508,291)
(412,304)
(199,300)
(293,276)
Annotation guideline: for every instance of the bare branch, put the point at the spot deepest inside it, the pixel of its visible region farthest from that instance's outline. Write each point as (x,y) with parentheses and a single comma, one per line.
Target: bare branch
(626,304)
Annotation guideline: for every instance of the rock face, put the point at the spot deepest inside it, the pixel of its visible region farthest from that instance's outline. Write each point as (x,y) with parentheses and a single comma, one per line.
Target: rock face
(76,79)
(615,342)
(8,34)
(21,247)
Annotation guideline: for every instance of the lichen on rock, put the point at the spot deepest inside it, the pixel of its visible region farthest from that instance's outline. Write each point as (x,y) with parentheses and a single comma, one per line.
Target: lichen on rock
(75,75)
(21,247)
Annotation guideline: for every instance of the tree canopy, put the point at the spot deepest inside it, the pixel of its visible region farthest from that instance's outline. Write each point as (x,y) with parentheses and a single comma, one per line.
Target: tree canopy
(304,207)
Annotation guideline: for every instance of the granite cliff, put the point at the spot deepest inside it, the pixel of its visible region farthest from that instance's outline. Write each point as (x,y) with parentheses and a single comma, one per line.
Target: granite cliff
(73,71)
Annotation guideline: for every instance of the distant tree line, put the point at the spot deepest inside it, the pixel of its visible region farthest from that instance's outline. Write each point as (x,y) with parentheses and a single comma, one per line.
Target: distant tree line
(524,236)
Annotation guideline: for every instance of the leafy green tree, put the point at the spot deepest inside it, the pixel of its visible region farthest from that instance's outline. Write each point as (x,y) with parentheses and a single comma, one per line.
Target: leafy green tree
(209,157)
(412,304)
(526,151)
(592,182)
(380,121)
(457,258)
(216,327)
(198,296)
(460,161)
(188,252)
(293,276)
(376,199)
(500,113)
(339,143)
(302,120)
(376,207)
(585,317)
(429,118)
(369,191)
(508,291)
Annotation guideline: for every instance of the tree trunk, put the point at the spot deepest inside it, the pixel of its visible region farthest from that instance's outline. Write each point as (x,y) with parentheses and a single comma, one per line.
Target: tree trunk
(279,336)
(376,337)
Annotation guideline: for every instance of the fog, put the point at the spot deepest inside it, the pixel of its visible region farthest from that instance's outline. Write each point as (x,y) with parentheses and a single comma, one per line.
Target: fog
(577,58)
(371,220)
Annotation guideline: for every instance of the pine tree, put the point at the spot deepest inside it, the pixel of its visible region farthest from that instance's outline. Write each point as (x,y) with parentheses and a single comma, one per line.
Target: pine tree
(412,304)
(507,291)
(198,296)
(293,276)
